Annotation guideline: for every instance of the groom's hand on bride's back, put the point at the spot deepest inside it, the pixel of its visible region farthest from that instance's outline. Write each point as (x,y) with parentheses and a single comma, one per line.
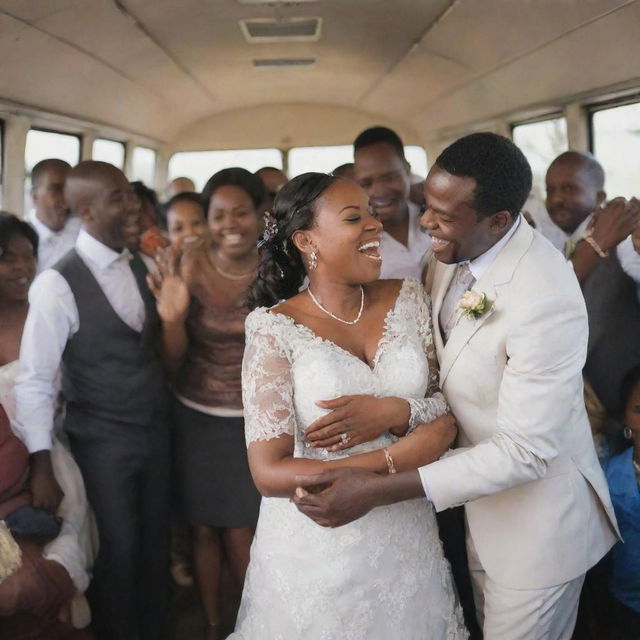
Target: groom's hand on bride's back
(337,496)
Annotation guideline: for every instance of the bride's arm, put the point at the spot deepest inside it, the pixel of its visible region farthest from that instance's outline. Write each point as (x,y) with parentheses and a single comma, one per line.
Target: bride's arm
(270,424)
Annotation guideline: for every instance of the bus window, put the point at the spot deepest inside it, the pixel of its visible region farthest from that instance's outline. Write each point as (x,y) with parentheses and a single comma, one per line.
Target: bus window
(108,151)
(616,143)
(541,142)
(201,165)
(326,159)
(144,165)
(41,145)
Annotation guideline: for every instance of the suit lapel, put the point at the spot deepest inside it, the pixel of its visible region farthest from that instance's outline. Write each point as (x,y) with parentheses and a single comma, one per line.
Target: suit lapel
(499,273)
(442,275)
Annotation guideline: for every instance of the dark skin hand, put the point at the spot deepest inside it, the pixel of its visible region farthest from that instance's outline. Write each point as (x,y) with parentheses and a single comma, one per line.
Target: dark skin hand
(362,418)
(45,490)
(339,496)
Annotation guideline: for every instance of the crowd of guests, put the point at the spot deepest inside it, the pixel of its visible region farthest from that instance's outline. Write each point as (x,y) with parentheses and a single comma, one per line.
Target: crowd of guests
(121,420)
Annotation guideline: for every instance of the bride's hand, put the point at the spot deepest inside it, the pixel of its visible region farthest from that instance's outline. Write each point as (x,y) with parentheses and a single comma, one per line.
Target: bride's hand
(168,286)
(425,444)
(354,420)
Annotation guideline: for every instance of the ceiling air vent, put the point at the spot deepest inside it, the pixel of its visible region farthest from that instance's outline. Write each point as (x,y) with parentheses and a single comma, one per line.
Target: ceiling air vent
(273,63)
(285,2)
(289,30)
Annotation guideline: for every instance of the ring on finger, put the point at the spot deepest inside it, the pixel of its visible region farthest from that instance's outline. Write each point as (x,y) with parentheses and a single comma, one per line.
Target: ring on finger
(344,438)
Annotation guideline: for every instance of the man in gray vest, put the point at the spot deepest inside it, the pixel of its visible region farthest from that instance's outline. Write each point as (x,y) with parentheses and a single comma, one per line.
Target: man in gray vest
(92,317)
(576,204)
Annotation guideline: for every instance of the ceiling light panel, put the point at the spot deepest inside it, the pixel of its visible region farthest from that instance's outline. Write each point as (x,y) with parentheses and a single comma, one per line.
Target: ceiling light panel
(268,30)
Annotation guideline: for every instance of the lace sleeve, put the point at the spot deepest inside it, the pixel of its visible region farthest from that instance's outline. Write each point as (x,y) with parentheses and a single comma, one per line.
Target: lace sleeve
(267,388)
(433,404)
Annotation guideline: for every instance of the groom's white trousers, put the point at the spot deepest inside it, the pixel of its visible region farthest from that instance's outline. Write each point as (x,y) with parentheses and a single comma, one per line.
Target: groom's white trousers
(529,614)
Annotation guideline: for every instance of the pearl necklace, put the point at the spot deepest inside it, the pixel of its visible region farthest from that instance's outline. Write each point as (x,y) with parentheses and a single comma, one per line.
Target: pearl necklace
(315,301)
(233,276)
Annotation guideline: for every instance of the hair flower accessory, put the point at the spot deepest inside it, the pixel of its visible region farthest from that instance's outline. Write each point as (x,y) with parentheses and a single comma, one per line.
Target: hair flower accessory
(474,304)
(270,228)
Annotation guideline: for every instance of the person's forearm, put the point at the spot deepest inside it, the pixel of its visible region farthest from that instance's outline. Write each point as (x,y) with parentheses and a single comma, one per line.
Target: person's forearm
(278,479)
(174,344)
(584,260)
(397,487)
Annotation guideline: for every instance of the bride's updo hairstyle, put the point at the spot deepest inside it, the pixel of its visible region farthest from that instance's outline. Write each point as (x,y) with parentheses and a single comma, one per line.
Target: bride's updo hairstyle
(281,270)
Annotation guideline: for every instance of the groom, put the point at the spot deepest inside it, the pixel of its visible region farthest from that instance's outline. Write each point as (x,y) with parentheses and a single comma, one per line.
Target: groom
(511,353)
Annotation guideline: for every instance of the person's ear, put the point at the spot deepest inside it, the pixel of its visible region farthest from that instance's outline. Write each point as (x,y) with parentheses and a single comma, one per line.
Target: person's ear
(500,222)
(303,241)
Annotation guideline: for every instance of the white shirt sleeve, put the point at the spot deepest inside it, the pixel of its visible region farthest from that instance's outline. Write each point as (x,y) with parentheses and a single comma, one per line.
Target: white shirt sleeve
(52,320)
(629,259)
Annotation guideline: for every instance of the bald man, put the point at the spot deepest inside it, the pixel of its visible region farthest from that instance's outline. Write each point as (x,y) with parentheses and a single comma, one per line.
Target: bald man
(593,227)
(93,317)
(180,185)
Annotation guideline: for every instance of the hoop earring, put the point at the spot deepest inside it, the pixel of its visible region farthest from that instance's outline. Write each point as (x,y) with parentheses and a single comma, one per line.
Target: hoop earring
(627,433)
(313,260)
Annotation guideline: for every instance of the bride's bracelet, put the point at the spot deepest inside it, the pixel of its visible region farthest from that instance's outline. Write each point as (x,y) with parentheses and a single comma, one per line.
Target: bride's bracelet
(389,459)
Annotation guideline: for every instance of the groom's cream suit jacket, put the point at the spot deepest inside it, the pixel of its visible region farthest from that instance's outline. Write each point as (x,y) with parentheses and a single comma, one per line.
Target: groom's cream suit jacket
(537,503)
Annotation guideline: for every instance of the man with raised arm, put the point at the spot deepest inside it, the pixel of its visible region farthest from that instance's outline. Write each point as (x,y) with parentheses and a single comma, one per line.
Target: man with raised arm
(511,337)
(92,317)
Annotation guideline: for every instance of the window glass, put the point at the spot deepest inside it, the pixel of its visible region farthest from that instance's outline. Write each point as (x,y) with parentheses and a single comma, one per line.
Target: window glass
(41,145)
(541,142)
(326,159)
(201,165)
(616,144)
(108,151)
(143,166)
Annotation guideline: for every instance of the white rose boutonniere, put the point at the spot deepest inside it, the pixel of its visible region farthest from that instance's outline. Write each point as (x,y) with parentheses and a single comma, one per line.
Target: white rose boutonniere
(474,304)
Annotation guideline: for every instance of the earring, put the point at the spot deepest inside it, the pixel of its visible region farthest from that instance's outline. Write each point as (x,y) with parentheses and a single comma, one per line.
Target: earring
(628,434)
(313,260)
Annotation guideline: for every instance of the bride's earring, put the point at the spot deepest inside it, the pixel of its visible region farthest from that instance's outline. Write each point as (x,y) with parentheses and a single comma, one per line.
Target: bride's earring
(628,434)
(313,260)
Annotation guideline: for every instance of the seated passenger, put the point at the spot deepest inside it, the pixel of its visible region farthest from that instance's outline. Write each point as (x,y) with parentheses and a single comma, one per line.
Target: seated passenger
(575,195)
(43,597)
(57,229)
(383,172)
(623,475)
(151,222)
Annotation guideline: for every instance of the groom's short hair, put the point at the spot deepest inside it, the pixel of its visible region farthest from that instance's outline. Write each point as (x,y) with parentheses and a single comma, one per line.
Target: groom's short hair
(501,172)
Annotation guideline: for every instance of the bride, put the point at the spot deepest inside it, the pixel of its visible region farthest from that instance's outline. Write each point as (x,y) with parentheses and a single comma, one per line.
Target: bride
(384,576)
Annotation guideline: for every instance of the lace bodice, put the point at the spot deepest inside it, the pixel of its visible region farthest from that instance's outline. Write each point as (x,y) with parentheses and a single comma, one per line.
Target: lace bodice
(287,368)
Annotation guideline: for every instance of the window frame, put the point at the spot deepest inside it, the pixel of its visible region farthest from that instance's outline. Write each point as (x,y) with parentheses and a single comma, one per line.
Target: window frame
(592,108)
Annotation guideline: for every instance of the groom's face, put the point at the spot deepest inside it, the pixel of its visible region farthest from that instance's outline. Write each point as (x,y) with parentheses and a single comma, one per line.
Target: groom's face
(457,232)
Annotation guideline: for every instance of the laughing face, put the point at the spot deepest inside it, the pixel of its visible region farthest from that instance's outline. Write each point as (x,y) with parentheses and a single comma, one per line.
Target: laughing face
(17,269)
(385,177)
(457,232)
(346,235)
(233,221)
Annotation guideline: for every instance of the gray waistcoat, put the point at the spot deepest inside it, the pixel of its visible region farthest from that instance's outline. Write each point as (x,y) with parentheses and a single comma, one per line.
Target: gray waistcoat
(109,370)
(614,329)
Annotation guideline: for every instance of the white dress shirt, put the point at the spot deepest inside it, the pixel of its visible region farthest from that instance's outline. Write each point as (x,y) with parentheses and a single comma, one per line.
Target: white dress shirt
(399,261)
(629,260)
(53,244)
(53,318)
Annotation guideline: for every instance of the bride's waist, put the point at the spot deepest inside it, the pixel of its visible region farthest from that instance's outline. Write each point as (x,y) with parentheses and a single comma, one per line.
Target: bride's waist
(302,450)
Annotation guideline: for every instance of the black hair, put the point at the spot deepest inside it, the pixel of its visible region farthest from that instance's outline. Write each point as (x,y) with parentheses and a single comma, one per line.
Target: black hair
(11,225)
(500,169)
(41,167)
(342,169)
(378,135)
(281,271)
(630,380)
(262,169)
(235,177)
(183,196)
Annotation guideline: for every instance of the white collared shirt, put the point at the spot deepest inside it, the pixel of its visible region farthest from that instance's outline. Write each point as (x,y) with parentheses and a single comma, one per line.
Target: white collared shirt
(53,245)
(399,261)
(53,318)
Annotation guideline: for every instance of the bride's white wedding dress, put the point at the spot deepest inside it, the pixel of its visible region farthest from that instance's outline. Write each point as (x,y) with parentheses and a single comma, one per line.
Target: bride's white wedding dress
(384,576)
